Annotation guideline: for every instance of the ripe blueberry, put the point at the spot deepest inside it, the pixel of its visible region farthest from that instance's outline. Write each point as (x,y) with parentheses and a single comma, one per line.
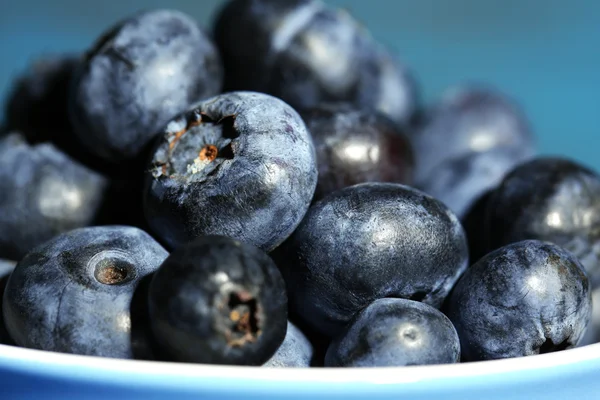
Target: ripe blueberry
(37,104)
(550,199)
(366,242)
(216,300)
(240,165)
(395,332)
(526,298)
(355,146)
(44,193)
(460,181)
(306,53)
(468,119)
(73,294)
(138,75)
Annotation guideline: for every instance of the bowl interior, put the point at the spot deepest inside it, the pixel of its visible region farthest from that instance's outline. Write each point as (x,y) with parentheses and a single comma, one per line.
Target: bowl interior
(567,372)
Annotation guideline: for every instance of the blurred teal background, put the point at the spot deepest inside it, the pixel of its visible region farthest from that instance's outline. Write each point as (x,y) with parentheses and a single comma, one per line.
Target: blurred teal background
(546,54)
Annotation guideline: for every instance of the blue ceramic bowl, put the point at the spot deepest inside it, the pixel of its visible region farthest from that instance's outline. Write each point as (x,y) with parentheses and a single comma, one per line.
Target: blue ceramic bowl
(34,374)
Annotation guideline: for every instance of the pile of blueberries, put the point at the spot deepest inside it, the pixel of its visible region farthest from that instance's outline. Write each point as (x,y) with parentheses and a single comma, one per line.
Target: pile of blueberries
(275,194)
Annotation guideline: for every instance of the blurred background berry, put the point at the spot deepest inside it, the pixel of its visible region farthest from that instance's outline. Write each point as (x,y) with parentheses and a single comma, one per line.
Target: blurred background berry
(544,53)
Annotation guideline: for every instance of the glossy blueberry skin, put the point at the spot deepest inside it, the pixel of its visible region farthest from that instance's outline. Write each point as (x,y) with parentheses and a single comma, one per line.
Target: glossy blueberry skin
(295,351)
(526,298)
(139,74)
(355,146)
(256,190)
(61,296)
(469,119)
(366,242)
(6,268)
(395,333)
(552,199)
(460,181)
(44,193)
(306,53)
(219,301)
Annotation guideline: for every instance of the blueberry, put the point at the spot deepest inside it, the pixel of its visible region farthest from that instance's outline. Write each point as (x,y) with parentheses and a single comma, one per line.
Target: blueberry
(469,118)
(217,300)
(390,88)
(460,181)
(306,53)
(551,199)
(6,268)
(44,193)
(37,103)
(240,165)
(526,298)
(139,74)
(295,351)
(37,107)
(366,242)
(73,294)
(355,145)
(395,332)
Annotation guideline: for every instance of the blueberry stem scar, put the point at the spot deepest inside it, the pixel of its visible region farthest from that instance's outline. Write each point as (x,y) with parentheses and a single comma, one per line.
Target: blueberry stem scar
(208,153)
(244,317)
(111,275)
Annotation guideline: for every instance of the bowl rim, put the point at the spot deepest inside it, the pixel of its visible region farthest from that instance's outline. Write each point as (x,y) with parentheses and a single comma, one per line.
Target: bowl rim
(55,364)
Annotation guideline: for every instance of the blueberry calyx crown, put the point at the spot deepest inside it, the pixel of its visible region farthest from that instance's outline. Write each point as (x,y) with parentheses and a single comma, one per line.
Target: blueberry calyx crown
(197,145)
(242,316)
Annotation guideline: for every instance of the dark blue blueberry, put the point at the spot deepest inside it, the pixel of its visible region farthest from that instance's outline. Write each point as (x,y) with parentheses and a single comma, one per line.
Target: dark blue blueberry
(138,75)
(219,301)
(526,298)
(469,119)
(551,199)
(395,333)
(73,294)
(240,165)
(460,181)
(306,53)
(355,146)
(37,107)
(366,242)
(6,268)
(37,103)
(44,193)
(295,351)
